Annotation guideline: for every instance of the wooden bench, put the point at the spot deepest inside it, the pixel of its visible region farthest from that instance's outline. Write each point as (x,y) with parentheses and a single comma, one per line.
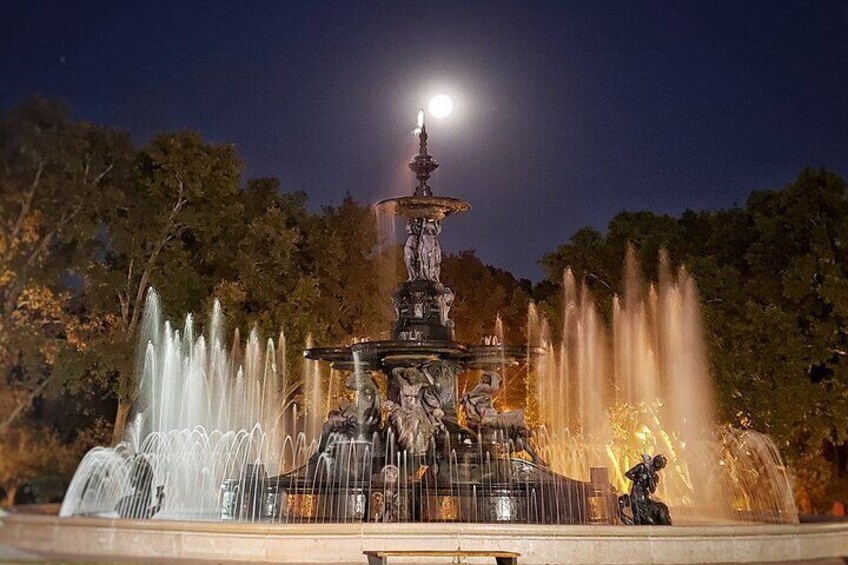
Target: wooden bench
(502,557)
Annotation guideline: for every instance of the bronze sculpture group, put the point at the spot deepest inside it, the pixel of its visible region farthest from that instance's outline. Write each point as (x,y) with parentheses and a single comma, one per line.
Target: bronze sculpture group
(417,418)
(422,252)
(349,421)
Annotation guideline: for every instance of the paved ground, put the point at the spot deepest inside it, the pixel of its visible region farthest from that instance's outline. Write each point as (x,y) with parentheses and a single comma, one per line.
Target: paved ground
(10,555)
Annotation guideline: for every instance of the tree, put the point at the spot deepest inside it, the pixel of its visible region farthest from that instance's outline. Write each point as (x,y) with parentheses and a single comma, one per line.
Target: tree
(32,451)
(168,226)
(53,170)
(482,293)
(273,285)
(356,274)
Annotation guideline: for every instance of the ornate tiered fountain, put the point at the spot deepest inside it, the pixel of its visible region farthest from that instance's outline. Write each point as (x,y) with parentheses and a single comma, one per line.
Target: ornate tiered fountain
(408,457)
(226,458)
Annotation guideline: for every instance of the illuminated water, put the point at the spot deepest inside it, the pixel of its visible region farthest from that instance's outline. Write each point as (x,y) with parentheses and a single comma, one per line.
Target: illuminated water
(607,394)
(602,396)
(206,413)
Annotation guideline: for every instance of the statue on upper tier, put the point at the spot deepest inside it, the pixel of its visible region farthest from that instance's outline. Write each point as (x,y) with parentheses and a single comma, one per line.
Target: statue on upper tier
(136,505)
(485,419)
(430,250)
(643,510)
(422,253)
(445,302)
(415,421)
(411,249)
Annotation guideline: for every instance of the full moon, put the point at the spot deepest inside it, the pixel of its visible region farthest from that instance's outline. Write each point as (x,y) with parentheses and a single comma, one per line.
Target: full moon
(440,106)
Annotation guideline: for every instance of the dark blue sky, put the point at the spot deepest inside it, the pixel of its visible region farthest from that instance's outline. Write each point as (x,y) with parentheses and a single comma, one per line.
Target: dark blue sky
(568,112)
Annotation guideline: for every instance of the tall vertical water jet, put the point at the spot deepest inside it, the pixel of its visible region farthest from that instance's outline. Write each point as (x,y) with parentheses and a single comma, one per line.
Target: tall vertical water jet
(654,396)
(203,415)
(387,255)
(314,395)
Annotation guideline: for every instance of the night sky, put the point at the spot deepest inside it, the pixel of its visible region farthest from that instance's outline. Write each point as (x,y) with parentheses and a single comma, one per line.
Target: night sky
(567,112)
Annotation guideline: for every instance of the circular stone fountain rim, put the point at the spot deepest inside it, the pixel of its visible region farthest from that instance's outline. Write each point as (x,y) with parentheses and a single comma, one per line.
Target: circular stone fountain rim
(429,207)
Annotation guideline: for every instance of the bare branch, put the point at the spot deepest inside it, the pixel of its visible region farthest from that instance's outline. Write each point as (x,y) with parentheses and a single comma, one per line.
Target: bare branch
(168,233)
(27,201)
(24,404)
(103,173)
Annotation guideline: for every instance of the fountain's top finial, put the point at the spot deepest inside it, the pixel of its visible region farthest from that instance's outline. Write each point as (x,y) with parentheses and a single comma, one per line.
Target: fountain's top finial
(422,164)
(422,203)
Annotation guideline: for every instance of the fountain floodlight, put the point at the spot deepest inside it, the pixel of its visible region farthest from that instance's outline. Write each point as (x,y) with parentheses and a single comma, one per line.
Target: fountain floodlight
(420,123)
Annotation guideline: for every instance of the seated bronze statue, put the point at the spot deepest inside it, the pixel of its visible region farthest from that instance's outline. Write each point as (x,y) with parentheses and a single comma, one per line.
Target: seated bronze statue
(414,420)
(360,418)
(136,505)
(485,419)
(637,508)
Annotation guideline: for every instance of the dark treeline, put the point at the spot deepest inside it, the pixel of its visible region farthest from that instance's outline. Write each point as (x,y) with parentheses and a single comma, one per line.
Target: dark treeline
(90,221)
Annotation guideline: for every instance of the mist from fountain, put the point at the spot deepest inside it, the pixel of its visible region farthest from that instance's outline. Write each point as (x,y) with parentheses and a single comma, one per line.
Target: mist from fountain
(641,384)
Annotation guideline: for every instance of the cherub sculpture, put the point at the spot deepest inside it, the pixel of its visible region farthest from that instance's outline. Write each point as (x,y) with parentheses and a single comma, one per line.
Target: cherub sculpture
(483,417)
(642,509)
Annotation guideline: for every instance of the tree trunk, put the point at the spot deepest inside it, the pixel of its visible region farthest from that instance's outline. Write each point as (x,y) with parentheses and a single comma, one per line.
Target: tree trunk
(124,407)
(24,405)
(11,490)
